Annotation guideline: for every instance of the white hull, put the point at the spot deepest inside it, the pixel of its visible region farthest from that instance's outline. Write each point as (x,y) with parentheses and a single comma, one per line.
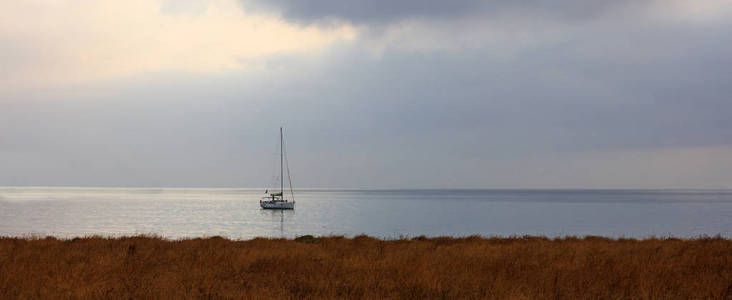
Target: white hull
(277,204)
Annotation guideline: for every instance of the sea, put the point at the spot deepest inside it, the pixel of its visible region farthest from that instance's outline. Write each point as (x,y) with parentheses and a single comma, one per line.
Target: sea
(175,213)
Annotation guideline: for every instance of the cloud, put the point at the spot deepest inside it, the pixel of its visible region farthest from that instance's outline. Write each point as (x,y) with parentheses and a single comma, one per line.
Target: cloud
(184,7)
(382,12)
(501,25)
(483,94)
(361,11)
(471,118)
(366,12)
(69,42)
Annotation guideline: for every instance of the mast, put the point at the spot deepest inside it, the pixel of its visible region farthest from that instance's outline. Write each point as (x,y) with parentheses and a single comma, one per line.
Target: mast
(282,179)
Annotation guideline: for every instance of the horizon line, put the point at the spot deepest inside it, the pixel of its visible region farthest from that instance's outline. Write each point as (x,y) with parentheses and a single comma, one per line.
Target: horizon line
(366,188)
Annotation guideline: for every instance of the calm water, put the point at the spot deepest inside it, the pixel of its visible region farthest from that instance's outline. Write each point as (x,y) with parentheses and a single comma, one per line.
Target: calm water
(235,213)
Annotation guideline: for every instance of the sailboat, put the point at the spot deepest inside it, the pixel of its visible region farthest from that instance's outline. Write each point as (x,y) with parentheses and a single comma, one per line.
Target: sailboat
(277,200)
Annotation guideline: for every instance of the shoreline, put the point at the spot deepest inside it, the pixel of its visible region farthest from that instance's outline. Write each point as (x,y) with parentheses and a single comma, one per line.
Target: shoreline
(32,237)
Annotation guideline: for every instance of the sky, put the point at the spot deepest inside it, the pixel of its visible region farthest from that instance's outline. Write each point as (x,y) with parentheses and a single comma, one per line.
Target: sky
(371,94)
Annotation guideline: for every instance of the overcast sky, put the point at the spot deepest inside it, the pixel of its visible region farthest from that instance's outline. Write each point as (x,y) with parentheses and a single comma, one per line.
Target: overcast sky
(372,94)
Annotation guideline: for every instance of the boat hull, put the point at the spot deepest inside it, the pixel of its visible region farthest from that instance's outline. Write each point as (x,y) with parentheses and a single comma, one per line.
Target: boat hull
(277,204)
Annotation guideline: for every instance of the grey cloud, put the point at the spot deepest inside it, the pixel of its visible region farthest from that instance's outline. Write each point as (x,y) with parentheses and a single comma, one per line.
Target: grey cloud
(606,99)
(383,11)
(362,11)
(402,120)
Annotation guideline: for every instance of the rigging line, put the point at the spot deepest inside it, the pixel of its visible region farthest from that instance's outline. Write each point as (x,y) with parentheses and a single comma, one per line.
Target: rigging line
(287,164)
(272,156)
(273,179)
(282,154)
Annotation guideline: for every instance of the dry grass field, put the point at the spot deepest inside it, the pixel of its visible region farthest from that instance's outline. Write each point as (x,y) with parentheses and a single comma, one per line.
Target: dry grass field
(364,267)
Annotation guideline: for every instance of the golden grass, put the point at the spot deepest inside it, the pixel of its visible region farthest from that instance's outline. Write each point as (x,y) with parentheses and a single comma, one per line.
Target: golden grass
(364,267)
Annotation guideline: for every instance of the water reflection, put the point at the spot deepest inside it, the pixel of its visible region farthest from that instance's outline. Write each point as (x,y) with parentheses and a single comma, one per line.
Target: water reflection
(277,219)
